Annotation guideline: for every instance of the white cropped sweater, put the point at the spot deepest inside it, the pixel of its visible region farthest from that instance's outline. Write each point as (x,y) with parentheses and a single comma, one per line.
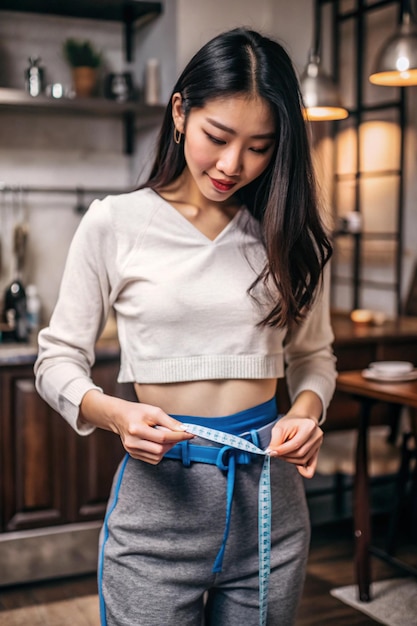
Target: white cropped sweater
(182,308)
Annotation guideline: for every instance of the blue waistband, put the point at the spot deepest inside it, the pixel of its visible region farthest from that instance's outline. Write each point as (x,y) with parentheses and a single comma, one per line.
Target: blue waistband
(237,423)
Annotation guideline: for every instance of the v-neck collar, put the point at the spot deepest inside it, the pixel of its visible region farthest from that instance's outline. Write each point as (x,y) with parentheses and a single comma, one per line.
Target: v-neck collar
(192,228)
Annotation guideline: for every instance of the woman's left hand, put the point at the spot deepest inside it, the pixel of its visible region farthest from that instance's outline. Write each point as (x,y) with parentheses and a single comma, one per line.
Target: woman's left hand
(297,440)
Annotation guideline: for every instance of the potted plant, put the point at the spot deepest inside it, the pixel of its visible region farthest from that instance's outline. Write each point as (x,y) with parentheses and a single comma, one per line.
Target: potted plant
(84,61)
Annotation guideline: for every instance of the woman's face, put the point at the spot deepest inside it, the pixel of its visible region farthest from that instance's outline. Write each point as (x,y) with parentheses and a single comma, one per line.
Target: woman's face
(227,143)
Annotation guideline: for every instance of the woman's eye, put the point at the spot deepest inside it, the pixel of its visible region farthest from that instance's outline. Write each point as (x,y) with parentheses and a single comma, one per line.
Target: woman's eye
(261,150)
(215,139)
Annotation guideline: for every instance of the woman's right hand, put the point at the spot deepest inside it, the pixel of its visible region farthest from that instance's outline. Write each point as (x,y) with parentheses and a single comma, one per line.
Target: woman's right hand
(146,432)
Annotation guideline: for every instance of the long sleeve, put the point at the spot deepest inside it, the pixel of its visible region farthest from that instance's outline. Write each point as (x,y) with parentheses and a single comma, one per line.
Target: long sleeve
(66,346)
(135,253)
(311,364)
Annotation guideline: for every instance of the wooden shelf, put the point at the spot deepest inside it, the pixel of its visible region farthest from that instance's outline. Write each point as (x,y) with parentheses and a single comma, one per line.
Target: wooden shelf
(17,99)
(111,10)
(130,13)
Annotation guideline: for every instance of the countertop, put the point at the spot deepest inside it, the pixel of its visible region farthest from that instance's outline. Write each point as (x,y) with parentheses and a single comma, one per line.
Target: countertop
(25,353)
(348,332)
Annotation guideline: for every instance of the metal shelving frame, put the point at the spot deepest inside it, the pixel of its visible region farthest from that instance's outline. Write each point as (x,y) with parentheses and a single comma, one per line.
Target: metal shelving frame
(358,113)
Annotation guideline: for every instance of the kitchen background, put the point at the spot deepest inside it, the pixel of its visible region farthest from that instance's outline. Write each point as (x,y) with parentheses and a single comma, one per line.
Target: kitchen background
(53,484)
(82,152)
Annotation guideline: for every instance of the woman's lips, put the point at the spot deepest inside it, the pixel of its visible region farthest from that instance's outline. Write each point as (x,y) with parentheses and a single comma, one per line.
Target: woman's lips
(222,185)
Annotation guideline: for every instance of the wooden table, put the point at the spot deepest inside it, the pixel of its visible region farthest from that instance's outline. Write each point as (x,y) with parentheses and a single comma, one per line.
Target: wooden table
(355,347)
(368,392)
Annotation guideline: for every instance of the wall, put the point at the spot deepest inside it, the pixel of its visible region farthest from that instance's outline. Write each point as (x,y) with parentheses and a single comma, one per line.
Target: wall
(49,150)
(289,22)
(88,152)
(62,150)
(199,20)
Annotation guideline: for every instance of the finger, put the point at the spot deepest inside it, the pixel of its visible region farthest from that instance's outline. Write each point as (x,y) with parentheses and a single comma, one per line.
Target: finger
(147,458)
(148,430)
(148,451)
(309,468)
(307,471)
(305,455)
(297,448)
(158,417)
(172,430)
(291,435)
(165,435)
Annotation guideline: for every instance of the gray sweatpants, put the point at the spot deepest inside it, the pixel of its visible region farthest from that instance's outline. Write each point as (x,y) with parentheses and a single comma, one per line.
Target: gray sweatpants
(163,530)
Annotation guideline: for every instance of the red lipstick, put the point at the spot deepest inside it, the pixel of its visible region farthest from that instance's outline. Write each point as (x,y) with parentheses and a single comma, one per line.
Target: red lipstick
(222,185)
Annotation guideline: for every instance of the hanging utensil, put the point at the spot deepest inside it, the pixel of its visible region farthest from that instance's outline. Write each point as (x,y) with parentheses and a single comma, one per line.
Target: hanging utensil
(80,207)
(14,312)
(20,235)
(2,210)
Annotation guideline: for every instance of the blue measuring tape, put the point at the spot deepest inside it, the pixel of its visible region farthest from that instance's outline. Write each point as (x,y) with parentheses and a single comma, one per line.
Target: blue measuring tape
(264,506)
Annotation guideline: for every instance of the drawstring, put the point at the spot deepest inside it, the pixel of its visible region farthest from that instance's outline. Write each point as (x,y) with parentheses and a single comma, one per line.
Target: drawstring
(231,474)
(232,445)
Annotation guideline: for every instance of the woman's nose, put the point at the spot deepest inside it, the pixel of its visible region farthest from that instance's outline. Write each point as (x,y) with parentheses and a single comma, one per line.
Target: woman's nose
(230,162)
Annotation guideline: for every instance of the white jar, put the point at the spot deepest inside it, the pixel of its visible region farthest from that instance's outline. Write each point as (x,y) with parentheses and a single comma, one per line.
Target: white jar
(152,82)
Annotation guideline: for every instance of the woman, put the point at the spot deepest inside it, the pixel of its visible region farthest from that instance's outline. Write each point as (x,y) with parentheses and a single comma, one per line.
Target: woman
(214,268)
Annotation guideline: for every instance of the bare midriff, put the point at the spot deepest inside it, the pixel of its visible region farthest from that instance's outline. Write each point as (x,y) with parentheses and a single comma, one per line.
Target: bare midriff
(214,398)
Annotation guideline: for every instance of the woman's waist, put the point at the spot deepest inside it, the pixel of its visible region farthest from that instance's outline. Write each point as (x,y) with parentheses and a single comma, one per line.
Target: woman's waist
(259,418)
(207,399)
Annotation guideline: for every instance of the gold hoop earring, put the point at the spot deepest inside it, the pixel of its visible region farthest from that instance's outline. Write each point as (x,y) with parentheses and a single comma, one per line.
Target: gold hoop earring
(177,135)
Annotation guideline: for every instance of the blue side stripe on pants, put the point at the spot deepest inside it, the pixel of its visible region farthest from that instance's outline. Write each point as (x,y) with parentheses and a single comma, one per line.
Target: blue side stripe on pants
(105,531)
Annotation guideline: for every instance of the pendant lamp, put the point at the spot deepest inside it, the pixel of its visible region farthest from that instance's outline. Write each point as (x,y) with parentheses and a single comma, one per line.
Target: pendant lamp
(320,93)
(396,64)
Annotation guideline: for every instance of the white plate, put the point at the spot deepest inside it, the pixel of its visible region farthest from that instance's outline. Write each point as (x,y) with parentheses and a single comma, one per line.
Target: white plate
(371,374)
(391,368)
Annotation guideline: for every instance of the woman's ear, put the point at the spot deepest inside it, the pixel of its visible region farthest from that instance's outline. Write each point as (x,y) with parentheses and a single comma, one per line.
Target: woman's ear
(178,114)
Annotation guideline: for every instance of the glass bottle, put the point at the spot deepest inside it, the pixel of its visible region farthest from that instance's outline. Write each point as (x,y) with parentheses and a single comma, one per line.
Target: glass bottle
(15,311)
(34,77)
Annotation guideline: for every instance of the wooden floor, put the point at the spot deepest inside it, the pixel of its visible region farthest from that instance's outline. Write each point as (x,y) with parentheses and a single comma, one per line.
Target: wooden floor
(330,565)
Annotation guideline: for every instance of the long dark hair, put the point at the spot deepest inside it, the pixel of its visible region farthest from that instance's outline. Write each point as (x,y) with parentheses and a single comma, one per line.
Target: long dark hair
(284,197)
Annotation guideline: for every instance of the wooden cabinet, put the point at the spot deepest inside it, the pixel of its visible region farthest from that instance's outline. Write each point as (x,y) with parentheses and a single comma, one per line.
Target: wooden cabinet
(49,474)
(33,465)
